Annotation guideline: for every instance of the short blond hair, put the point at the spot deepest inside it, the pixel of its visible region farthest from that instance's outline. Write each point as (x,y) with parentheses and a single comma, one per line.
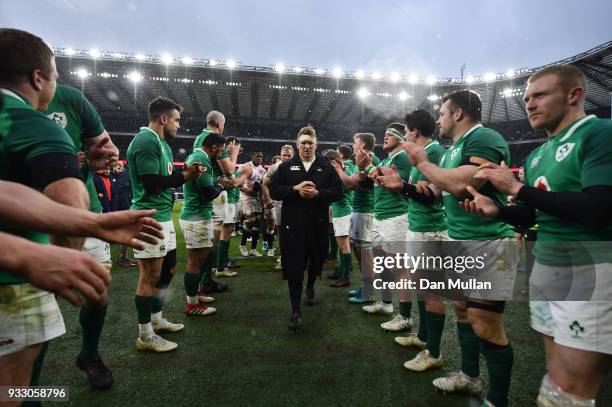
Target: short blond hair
(368,140)
(568,75)
(287,147)
(308,130)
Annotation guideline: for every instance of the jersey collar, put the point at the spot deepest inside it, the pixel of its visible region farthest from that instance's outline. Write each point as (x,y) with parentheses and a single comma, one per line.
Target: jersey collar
(202,151)
(15,95)
(476,126)
(575,127)
(430,144)
(148,129)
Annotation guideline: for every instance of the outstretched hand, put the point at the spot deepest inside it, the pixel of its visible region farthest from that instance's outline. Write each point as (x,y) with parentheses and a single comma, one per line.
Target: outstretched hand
(104,154)
(481,205)
(129,228)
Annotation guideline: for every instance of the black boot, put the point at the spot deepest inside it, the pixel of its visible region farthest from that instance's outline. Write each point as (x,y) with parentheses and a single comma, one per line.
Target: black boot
(295,322)
(310,296)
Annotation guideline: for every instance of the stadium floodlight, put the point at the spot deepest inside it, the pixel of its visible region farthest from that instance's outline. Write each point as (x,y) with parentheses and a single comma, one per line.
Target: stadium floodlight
(231,64)
(337,73)
(82,73)
(359,74)
(117,55)
(297,69)
(187,60)
(507,92)
(394,77)
(489,77)
(280,68)
(139,57)
(135,77)
(413,79)
(167,59)
(320,71)
(470,80)
(69,51)
(510,73)
(376,76)
(363,93)
(94,53)
(213,62)
(431,80)
(403,96)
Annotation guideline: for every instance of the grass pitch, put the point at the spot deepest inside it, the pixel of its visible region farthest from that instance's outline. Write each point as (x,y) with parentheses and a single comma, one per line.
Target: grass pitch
(245,355)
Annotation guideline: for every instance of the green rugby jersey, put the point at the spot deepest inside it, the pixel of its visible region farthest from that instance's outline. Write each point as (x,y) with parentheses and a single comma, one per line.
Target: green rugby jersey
(388,204)
(343,207)
(485,143)
(198,144)
(233,194)
(150,155)
(194,207)
(577,157)
(74,113)
(426,218)
(25,134)
(363,200)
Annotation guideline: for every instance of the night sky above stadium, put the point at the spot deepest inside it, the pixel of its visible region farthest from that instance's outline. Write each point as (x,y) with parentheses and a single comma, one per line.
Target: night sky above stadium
(384,36)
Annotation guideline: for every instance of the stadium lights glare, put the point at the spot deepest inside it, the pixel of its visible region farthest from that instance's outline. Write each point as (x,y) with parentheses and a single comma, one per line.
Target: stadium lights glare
(363,93)
(413,79)
(507,92)
(69,51)
(82,73)
(376,76)
(187,60)
(394,77)
(117,55)
(94,53)
(337,73)
(359,74)
(280,68)
(135,77)
(212,62)
(320,71)
(139,57)
(489,77)
(510,73)
(298,69)
(167,59)
(231,64)
(470,79)
(403,96)
(431,80)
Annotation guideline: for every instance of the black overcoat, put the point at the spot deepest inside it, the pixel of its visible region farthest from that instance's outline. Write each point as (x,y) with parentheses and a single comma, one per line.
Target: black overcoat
(303,231)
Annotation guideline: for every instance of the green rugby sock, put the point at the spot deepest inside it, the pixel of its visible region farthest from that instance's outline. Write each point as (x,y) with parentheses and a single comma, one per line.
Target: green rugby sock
(226,253)
(405,308)
(345,265)
(333,248)
(435,327)
(470,349)
(219,254)
(191,281)
(499,360)
(143,307)
(92,322)
(207,271)
(158,302)
(422,334)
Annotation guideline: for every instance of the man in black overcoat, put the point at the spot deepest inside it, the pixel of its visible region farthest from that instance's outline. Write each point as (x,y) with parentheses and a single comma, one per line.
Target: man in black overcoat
(306,184)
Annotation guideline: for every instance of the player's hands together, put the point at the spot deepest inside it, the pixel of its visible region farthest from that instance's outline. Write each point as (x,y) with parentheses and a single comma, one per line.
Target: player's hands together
(362,158)
(389,178)
(481,205)
(69,273)
(309,192)
(500,176)
(102,155)
(193,170)
(268,202)
(129,228)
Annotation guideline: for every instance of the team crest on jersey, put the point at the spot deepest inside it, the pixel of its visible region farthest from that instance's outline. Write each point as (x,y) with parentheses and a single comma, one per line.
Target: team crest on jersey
(59,118)
(455,152)
(535,161)
(563,151)
(169,168)
(542,183)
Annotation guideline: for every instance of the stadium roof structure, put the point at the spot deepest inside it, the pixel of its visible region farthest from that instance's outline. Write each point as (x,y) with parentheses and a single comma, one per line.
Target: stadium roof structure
(120,85)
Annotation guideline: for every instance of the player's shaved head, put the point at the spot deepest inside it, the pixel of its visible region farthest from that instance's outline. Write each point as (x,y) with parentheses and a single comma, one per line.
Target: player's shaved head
(569,76)
(214,118)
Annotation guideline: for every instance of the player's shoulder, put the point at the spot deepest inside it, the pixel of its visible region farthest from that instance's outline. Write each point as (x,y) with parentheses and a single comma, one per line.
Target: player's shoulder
(31,123)
(486,133)
(601,126)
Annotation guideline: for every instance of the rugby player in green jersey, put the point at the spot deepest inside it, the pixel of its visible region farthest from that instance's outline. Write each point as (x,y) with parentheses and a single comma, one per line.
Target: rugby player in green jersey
(390,225)
(196,220)
(568,193)
(427,225)
(479,321)
(152,175)
(341,215)
(74,113)
(361,218)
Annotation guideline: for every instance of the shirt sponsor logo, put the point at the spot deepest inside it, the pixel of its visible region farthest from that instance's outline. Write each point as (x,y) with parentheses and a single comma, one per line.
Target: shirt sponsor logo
(563,151)
(59,118)
(535,161)
(542,183)
(295,168)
